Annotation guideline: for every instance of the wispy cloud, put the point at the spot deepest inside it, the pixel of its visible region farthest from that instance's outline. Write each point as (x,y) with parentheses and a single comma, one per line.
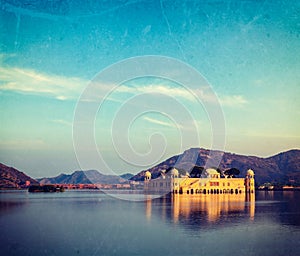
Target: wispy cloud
(158,89)
(63,122)
(155,121)
(30,81)
(34,82)
(233,100)
(182,93)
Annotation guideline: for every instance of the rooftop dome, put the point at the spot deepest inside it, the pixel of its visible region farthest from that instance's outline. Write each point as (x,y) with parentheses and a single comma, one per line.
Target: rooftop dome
(211,171)
(174,172)
(250,172)
(147,174)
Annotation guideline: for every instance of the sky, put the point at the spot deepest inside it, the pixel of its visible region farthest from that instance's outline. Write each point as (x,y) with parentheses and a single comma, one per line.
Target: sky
(55,57)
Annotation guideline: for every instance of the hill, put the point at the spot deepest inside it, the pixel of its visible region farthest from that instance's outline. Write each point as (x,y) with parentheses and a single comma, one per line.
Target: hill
(85,177)
(283,168)
(126,176)
(11,178)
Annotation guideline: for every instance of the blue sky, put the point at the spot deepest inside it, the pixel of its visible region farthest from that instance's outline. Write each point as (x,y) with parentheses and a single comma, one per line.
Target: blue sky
(248,51)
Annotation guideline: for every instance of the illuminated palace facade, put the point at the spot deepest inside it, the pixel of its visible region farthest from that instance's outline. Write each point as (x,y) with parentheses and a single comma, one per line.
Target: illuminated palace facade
(210,182)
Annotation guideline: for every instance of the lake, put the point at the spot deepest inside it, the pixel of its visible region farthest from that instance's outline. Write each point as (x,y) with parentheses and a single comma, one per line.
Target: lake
(94,223)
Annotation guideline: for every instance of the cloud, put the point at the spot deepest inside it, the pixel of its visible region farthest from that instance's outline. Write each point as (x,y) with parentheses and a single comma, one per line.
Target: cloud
(157,88)
(155,121)
(203,95)
(233,100)
(63,122)
(30,81)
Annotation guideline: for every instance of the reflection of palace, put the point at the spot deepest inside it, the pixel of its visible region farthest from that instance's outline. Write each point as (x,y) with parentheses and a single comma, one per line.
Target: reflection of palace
(210,182)
(211,206)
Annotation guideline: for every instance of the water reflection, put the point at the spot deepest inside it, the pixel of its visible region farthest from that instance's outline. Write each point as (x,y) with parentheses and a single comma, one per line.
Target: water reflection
(282,206)
(202,209)
(6,207)
(212,205)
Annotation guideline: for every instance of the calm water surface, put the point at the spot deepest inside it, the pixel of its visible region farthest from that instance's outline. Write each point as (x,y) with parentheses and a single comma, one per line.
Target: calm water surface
(94,223)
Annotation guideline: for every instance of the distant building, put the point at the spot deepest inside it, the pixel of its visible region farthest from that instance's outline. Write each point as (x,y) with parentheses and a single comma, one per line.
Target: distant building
(209,182)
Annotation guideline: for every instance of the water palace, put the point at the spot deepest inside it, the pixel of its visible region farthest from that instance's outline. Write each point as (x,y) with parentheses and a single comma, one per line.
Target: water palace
(210,182)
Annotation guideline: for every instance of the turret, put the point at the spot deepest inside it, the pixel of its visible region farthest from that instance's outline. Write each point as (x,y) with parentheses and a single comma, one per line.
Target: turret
(249,182)
(250,174)
(147,176)
(174,173)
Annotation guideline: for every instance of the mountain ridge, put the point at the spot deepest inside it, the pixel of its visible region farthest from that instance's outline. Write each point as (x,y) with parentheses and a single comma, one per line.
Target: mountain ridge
(11,178)
(283,167)
(85,177)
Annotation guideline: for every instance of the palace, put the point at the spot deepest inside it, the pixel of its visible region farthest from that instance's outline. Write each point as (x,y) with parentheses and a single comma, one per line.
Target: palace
(209,182)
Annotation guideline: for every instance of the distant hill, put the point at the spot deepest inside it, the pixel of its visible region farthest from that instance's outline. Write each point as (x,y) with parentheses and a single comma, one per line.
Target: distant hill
(11,178)
(283,168)
(126,176)
(85,177)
